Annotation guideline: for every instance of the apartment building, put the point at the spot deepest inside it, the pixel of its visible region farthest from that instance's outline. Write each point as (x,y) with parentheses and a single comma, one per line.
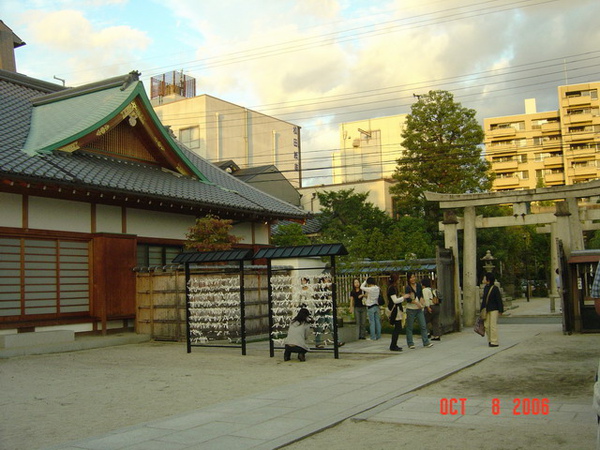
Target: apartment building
(218,130)
(550,148)
(365,162)
(369,149)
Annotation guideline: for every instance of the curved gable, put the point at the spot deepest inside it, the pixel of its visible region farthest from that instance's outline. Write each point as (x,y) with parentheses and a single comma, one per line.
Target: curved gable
(74,119)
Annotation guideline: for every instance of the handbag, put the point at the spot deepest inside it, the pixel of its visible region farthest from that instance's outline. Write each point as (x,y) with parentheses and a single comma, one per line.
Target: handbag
(479,326)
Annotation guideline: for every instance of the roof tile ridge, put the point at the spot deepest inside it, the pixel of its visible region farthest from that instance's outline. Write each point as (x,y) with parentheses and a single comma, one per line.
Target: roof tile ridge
(122,80)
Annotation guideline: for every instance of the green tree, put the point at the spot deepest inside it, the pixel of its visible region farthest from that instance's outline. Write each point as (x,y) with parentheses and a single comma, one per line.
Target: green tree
(345,208)
(594,241)
(210,233)
(441,154)
(290,234)
(368,232)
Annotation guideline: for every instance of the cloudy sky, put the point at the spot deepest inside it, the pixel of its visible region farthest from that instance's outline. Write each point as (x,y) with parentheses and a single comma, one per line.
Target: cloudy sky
(318,63)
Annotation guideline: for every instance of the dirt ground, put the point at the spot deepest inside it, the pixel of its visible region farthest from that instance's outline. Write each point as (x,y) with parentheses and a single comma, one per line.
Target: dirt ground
(552,365)
(52,399)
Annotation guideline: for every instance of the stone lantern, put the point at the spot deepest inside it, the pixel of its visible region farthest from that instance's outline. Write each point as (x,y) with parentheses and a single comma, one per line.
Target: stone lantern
(488,261)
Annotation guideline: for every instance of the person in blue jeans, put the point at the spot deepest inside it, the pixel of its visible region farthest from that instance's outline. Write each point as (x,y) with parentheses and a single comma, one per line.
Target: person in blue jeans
(371,290)
(414,310)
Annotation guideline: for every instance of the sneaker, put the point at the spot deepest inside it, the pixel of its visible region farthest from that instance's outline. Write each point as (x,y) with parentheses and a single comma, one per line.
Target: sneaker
(493,345)
(395,349)
(429,345)
(411,347)
(436,338)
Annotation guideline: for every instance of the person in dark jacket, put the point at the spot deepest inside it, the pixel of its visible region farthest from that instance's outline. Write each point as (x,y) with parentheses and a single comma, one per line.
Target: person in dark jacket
(491,308)
(395,306)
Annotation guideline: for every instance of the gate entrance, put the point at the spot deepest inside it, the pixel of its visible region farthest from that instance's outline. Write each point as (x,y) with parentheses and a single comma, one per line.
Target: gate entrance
(565,225)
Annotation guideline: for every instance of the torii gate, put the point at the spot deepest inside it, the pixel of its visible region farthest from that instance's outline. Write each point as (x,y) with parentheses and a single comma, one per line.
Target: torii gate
(566,224)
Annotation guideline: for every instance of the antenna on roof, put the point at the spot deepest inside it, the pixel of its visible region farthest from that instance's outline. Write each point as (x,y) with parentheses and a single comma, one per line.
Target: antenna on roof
(59,79)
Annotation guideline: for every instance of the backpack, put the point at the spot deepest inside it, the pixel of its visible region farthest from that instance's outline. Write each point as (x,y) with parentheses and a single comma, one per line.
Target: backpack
(437,298)
(380,300)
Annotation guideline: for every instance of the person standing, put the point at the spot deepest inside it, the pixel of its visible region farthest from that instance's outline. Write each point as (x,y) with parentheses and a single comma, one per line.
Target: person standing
(295,342)
(414,310)
(395,306)
(432,310)
(372,291)
(491,307)
(359,308)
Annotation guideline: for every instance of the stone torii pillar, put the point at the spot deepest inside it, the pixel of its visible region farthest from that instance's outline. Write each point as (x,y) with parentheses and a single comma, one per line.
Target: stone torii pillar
(470,286)
(450,228)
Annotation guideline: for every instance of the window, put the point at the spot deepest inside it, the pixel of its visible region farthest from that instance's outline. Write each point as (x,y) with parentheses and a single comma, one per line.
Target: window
(592,93)
(43,276)
(519,126)
(190,137)
(156,255)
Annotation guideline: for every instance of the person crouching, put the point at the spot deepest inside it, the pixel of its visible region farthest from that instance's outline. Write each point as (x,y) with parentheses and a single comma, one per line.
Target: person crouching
(295,342)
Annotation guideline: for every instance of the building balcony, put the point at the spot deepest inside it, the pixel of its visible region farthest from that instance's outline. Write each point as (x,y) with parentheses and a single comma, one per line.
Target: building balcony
(506,182)
(554,178)
(581,153)
(500,149)
(554,143)
(504,166)
(502,132)
(570,119)
(550,127)
(578,136)
(583,171)
(553,161)
(577,101)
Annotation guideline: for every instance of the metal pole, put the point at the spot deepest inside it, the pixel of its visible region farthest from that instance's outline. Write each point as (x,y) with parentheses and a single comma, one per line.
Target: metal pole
(187,307)
(270,302)
(336,352)
(242,308)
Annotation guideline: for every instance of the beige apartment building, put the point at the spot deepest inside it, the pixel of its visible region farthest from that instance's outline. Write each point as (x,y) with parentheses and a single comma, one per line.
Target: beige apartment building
(550,148)
(218,130)
(369,149)
(365,162)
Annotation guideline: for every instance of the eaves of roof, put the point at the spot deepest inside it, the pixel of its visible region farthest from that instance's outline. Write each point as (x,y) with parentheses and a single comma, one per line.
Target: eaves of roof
(101,177)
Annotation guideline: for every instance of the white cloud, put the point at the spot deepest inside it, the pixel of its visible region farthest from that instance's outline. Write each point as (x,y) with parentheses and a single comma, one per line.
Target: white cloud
(84,51)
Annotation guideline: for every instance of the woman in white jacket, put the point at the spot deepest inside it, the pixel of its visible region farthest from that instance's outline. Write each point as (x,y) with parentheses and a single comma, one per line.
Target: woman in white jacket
(372,291)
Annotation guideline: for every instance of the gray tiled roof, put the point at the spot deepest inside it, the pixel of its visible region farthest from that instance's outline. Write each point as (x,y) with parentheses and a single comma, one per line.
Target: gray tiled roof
(312,225)
(105,174)
(301,251)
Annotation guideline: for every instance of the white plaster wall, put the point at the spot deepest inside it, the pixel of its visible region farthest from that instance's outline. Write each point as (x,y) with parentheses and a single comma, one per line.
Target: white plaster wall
(11,211)
(244,230)
(305,266)
(261,233)
(59,215)
(157,224)
(108,219)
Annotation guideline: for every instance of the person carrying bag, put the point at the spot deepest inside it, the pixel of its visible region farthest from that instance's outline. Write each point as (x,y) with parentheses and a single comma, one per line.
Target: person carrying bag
(491,308)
